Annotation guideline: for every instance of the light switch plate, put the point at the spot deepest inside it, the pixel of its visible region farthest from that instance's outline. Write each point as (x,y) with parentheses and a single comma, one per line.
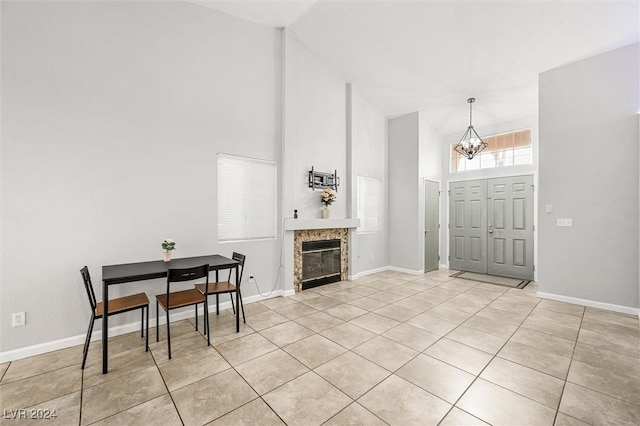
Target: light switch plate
(564,221)
(548,208)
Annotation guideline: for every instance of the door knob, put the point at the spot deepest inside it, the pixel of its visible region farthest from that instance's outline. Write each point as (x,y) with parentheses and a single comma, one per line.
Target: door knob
(491,231)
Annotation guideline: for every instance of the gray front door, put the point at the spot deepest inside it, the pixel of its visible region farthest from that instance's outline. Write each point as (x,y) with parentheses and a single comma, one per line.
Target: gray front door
(510,227)
(431,225)
(468,226)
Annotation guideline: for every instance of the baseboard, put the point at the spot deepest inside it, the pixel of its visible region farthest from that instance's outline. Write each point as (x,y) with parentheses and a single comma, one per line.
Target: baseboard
(444,266)
(369,272)
(406,271)
(68,342)
(590,303)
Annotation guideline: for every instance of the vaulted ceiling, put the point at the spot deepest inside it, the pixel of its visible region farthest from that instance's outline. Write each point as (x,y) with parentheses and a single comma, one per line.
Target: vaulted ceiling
(430,56)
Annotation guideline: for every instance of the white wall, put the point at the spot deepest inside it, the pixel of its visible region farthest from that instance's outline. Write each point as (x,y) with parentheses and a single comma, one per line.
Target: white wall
(589,172)
(403,167)
(113,114)
(368,159)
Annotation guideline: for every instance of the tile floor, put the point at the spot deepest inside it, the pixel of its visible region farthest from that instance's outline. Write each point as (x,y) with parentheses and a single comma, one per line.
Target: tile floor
(388,348)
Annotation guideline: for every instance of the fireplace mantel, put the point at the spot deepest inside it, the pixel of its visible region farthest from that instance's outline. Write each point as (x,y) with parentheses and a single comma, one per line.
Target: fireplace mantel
(300,224)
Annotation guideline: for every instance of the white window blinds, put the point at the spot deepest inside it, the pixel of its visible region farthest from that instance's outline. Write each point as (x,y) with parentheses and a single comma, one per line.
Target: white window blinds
(369,205)
(247,198)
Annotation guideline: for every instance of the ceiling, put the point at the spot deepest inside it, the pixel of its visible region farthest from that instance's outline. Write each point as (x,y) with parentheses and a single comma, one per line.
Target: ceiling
(430,56)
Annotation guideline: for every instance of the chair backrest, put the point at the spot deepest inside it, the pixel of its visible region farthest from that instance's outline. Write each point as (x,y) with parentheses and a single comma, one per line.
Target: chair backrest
(176,275)
(240,258)
(89,287)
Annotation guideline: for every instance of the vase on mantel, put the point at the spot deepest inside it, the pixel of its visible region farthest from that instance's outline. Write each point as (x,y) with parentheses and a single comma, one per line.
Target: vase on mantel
(166,256)
(325,212)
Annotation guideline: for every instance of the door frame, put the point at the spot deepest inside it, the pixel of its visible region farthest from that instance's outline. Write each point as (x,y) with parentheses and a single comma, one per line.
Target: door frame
(424,216)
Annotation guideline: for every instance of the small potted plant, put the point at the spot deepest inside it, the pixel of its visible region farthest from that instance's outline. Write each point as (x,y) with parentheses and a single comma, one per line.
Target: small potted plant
(167,246)
(328,197)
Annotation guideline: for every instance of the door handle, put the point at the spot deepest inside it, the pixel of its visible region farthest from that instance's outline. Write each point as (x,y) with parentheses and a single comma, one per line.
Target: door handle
(491,231)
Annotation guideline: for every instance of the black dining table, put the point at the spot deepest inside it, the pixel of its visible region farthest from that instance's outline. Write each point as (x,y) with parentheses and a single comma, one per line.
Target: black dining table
(140,271)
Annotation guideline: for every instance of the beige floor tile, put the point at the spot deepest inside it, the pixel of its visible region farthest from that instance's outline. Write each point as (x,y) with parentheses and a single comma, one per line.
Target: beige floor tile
(616,363)
(157,411)
(544,342)
(609,342)
(564,420)
(415,304)
(296,310)
(612,317)
(477,339)
(345,296)
(421,284)
(561,307)
(266,319)
(348,335)
(491,326)
(387,296)
(457,417)
(182,371)
(362,290)
(321,302)
(605,327)
(121,364)
(386,353)
(269,371)
(39,364)
(180,346)
(625,387)
(462,356)
(304,295)
(531,357)
(3,370)
(464,303)
(558,317)
(314,350)
(368,303)
(352,374)
(396,312)
(496,405)
(178,329)
(399,402)
(254,308)
(345,312)
(374,323)
(551,327)
(245,348)
(114,396)
(432,375)
(308,400)
(596,408)
(213,397)
(533,384)
(505,303)
(319,321)
(459,284)
(428,322)
(43,387)
(256,412)
(412,337)
(62,411)
(354,415)
(277,302)
(286,333)
(508,317)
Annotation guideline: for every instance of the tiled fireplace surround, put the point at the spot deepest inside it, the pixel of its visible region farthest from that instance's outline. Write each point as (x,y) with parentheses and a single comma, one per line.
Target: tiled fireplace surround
(305,235)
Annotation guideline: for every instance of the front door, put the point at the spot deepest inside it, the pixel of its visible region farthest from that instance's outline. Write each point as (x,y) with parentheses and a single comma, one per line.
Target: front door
(431,225)
(468,226)
(491,226)
(510,227)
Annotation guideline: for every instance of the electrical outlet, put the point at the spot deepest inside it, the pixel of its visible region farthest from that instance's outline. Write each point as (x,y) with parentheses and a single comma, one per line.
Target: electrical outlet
(19,319)
(564,221)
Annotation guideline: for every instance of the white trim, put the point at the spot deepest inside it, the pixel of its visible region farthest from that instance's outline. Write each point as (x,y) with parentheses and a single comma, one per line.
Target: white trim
(406,271)
(590,303)
(369,272)
(68,342)
(444,266)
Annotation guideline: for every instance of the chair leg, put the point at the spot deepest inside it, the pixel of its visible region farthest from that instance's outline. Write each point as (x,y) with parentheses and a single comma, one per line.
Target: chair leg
(157,322)
(196,306)
(217,305)
(147,333)
(142,322)
(207,326)
(87,341)
(232,304)
(168,334)
(241,306)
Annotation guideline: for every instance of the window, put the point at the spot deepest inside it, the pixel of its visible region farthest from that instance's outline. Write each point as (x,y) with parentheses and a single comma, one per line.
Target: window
(247,198)
(505,149)
(369,205)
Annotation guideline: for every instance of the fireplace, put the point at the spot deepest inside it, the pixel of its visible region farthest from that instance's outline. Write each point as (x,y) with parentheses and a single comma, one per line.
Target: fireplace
(303,236)
(321,263)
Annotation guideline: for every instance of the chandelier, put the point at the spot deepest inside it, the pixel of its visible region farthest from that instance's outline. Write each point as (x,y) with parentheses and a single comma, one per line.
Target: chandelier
(471,143)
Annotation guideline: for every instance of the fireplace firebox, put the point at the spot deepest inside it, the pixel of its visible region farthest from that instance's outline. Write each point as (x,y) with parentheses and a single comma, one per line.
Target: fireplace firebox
(320,263)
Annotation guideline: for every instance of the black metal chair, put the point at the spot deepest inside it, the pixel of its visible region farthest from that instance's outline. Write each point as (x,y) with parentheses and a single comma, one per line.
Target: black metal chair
(116,306)
(178,299)
(224,287)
